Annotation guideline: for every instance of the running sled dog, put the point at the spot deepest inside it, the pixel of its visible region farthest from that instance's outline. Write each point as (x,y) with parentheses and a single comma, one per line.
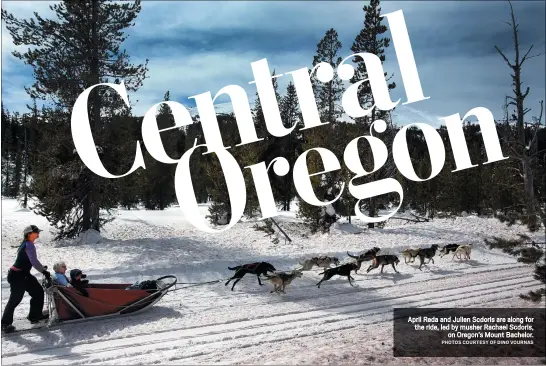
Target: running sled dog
(463,250)
(282,279)
(322,261)
(384,260)
(258,268)
(370,254)
(410,254)
(343,271)
(448,249)
(427,253)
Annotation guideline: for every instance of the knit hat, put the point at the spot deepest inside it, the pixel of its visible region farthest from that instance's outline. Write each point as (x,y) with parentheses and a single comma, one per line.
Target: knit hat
(75,273)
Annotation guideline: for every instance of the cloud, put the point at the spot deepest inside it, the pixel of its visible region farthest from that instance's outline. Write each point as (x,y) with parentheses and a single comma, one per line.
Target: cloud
(199,73)
(199,46)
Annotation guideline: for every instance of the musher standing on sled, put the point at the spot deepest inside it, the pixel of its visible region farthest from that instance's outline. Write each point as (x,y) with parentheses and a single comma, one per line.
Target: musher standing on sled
(20,280)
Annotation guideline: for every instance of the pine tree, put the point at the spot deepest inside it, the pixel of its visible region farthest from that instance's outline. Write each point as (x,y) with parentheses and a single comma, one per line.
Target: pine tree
(7,142)
(288,147)
(17,177)
(220,209)
(198,162)
(30,123)
(328,94)
(324,185)
(130,187)
(370,40)
(79,49)
(159,190)
(272,147)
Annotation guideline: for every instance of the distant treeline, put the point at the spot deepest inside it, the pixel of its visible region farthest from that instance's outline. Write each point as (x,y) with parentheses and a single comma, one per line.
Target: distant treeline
(39,158)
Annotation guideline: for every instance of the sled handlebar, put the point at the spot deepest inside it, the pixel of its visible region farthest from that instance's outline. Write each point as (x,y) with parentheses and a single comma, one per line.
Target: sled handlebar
(46,281)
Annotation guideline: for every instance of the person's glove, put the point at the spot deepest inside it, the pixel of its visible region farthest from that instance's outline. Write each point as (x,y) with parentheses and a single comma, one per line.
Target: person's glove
(47,274)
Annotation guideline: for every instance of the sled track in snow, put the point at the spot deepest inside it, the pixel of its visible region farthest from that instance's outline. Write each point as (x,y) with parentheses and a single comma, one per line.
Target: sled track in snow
(328,289)
(187,344)
(202,338)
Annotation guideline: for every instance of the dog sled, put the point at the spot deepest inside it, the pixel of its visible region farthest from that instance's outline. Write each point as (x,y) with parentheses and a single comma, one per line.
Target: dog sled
(68,305)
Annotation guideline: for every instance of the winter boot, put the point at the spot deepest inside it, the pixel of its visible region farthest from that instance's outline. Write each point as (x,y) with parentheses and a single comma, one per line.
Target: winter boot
(43,317)
(8,328)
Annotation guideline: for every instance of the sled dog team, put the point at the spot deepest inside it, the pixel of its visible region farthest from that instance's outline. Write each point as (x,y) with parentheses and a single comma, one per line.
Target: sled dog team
(282,279)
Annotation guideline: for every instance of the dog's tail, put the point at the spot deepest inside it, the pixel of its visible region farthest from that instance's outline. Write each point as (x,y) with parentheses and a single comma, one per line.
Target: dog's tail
(352,256)
(234,268)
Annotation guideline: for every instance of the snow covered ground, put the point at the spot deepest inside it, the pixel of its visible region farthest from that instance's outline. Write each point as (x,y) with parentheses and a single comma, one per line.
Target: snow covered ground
(210,324)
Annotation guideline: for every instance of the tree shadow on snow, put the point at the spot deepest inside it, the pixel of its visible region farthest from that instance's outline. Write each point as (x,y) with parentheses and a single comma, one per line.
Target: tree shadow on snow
(439,234)
(190,260)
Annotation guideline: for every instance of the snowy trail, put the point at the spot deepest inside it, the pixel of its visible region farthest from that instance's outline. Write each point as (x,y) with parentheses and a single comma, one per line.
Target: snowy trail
(197,341)
(211,324)
(297,297)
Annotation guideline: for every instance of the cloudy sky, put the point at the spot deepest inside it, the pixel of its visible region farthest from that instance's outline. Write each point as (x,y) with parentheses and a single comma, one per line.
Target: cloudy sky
(201,46)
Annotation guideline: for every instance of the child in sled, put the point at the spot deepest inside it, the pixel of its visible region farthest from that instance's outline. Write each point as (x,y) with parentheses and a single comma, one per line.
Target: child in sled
(77,281)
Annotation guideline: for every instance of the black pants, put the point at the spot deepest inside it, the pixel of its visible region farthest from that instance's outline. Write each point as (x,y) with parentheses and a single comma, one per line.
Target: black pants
(19,283)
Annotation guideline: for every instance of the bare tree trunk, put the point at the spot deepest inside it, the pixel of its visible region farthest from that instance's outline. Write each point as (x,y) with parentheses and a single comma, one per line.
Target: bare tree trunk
(94,189)
(517,101)
(8,177)
(371,211)
(25,175)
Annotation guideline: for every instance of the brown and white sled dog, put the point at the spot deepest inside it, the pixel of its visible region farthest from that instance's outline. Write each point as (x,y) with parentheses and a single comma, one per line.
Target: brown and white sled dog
(410,254)
(384,260)
(282,279)
(322,261)
(463,250)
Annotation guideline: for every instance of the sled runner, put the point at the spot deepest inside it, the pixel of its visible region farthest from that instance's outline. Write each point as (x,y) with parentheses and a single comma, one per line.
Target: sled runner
(68,305)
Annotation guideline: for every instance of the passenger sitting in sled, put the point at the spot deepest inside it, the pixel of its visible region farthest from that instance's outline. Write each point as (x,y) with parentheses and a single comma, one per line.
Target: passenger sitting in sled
(77,282)
(59,277)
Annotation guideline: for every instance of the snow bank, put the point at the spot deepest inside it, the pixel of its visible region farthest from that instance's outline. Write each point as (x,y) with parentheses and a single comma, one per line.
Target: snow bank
(344,229)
